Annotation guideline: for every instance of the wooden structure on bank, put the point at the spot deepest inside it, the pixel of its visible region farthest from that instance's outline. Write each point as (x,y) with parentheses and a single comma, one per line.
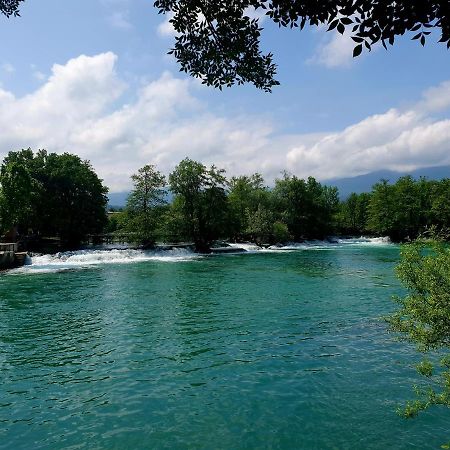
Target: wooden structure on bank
(10,256)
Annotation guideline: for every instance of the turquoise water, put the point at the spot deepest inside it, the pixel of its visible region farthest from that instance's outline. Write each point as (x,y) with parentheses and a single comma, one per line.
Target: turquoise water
(265,350)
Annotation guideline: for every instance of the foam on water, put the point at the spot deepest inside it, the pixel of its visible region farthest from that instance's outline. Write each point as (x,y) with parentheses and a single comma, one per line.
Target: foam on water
(366,241)
(336,243)
(316,244)
(86,258)
(250,247)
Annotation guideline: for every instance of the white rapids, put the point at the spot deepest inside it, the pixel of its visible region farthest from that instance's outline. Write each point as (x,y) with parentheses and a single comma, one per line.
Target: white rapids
(91,257)
(86,258)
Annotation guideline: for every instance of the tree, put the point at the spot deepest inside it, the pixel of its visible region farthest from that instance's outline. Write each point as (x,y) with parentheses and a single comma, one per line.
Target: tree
(353,214)
(201,198)
(74,198)
(219,42)
(381,209)
(51,195)
(423,317)
(247,195)
(323,204)
(17,196)
(439,203)
(10,7)
(260,225)
(306,207)
(291,197)
(143,203)
(409,207)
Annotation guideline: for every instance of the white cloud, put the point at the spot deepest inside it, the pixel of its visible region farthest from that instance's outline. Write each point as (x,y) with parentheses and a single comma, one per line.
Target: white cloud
(259,14)
(165,28)
(118,13)
(76,110)
(436,98)
(73,111)
(120,20)
(36,73)
(396,140)
(336,50)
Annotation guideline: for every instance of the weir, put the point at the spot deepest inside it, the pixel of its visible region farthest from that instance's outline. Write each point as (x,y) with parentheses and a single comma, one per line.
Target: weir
(10,256)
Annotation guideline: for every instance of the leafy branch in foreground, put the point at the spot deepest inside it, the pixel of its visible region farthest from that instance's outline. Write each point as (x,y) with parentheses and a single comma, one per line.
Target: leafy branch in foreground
(219,41)
(10,7)
(424,318)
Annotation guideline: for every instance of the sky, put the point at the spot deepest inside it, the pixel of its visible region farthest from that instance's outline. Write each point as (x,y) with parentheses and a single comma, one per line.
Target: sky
(93,77)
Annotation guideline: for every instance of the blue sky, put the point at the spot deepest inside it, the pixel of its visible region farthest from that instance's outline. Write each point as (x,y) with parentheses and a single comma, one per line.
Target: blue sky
(93,77)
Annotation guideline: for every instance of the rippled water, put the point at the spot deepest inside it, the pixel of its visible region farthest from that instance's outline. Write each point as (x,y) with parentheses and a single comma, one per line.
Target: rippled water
(264,350)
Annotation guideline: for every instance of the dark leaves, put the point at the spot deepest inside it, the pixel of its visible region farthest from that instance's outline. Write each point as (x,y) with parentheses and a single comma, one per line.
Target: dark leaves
(225,49)
(357,50)
(10,7)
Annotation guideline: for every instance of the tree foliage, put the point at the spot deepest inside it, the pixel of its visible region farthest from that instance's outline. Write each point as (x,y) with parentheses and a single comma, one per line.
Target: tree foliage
(402,210)
(144,202)
(423,317)
(60,195)
(353,213)
(219,41)
(206,206)
(46,194)
(306,207)
(201,199)
(19,190)
(247,195)
(10,7)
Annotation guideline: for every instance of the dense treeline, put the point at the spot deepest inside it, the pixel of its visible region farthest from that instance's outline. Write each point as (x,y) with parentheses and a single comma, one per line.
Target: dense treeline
(46,194)
(207,207)
(401,211)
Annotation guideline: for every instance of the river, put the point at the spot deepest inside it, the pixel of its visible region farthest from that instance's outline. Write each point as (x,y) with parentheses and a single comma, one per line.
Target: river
(276,349)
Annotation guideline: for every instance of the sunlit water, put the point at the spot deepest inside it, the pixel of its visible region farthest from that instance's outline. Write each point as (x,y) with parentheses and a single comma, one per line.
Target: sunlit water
(274,349)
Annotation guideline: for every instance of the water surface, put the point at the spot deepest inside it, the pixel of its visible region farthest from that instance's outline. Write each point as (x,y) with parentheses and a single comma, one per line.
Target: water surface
(263,350)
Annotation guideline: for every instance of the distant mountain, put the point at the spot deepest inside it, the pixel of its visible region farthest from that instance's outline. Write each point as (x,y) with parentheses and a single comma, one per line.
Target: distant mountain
(117,199)
(364,183)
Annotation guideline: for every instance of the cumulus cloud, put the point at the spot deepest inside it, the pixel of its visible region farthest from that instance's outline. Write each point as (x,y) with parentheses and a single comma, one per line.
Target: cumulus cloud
(396,140)
(335,50)
(436,98)
(79,109)
(74,111)
(165,28)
